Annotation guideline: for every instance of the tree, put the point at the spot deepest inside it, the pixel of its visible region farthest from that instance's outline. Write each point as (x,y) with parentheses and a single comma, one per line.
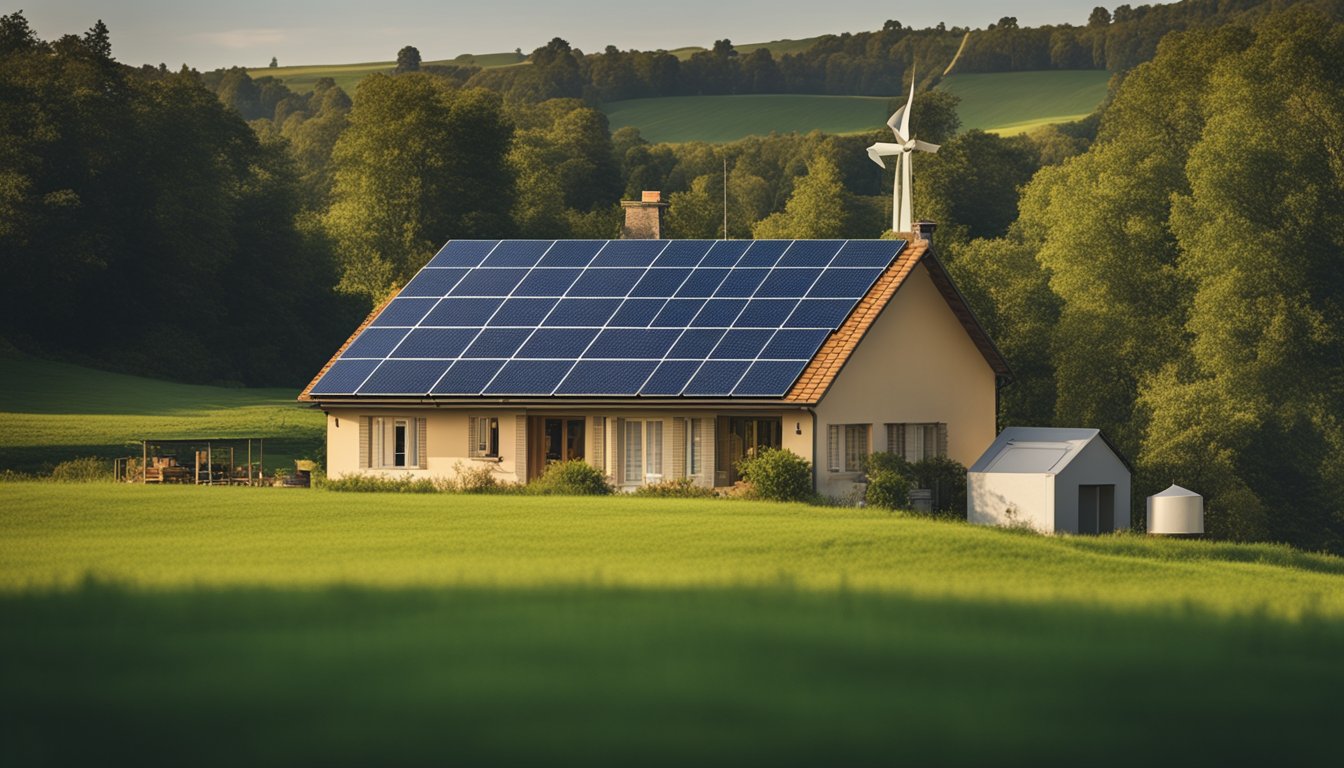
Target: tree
(1099,17)
(420,163)
(408,59)
(819,208)
(274,63)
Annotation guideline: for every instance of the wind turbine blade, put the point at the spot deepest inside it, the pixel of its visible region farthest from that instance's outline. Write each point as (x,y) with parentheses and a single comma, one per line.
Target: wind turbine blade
(924,146)
(894,122)
(875,157)
(905,115)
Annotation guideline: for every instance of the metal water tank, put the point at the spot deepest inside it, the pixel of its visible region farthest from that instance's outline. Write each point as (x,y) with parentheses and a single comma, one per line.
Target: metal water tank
(1176,512)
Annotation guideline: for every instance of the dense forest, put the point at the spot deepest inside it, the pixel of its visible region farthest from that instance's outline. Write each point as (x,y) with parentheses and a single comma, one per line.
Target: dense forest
(1167,270)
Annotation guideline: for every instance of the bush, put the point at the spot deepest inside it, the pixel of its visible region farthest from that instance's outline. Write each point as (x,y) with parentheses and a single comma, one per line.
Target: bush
(89,469)
(571,478)
(778,475)
(378,484)
(887,489)
(478,479)
(947,479)
(683,488)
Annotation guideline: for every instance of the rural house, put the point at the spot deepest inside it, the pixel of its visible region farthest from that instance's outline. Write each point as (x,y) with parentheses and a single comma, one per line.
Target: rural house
(657,359)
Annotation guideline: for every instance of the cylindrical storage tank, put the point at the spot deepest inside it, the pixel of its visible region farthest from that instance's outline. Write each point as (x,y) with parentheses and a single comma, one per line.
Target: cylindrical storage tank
(1176,512)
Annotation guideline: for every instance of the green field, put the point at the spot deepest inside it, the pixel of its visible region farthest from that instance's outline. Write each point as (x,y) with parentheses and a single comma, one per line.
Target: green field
(1009,102)
(51,412)
(347,76)
(1013,102)
(232,625)
(729,118)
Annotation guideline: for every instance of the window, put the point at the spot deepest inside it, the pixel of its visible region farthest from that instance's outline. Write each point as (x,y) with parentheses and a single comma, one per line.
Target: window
(846,447)
(394,443)
(694,448)
(914,442)
(486,440)
(643,450)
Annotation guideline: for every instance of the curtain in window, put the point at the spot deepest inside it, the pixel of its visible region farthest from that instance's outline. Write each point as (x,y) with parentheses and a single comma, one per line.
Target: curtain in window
(634,456)
(833,456)
(694,448)
(654,454)
(856,446)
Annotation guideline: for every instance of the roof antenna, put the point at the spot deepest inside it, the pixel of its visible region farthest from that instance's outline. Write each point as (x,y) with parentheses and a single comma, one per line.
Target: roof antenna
(725,196)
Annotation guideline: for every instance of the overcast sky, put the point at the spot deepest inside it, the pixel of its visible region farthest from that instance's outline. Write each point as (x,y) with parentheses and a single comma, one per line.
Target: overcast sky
(220,33)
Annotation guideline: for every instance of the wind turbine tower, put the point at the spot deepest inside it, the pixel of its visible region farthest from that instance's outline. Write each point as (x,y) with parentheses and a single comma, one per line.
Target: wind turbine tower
(905,146)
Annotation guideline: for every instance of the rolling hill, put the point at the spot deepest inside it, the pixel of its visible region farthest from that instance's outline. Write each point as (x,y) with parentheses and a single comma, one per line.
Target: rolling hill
(1008,102)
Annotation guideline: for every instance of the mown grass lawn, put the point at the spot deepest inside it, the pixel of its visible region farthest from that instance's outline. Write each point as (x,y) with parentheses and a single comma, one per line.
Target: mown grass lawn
(51,412)
(261,626)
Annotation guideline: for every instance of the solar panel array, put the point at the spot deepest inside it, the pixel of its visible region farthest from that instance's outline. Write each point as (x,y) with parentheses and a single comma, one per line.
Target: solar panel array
(649,318)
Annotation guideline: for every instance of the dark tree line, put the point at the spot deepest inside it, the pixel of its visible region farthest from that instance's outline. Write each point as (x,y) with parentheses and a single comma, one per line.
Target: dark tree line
(144,226)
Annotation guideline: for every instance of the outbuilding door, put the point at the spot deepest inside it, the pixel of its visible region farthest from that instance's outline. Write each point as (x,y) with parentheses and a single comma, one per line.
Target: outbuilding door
(1096,508)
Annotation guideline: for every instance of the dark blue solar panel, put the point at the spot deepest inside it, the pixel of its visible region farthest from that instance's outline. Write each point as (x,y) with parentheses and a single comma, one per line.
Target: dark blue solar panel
(558,343)
(606,377)
(696,343)
(571,253)
(433,282)
(344,377)
(844,283)
(435,342)
(795,343)
(462,253)
(525,312)
(719,313)
(611,318)
(529,377)
(763,253)
(497,342)
(404,312)
(517,253)
(469,312)
(725,253)
(629,253)
(582,312)
(868,253)
(606,282)
(547,282)
(636,313)
(742,282)
(633,343)
(765,313)
(787,283)
(742,343)
(678,313)
(683,253)
(702,283)
(670,378)
(489,282)
(716,378)
(404,377)
(769,378)
(810,253)
(374,342)
(820,313)
(467,377)
(659,282)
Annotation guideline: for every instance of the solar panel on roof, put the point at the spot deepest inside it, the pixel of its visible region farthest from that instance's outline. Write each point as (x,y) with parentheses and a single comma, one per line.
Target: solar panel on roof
(653,318)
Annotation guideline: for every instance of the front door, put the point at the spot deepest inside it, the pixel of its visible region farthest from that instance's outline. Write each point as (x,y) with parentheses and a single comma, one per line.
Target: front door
(738,438)
(552,439)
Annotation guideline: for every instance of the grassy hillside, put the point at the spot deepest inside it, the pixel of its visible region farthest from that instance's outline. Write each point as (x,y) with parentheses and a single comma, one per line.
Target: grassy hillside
(351,628)
(1013,102)
(347,76)
(1009,102)
(729,118)
(51,412)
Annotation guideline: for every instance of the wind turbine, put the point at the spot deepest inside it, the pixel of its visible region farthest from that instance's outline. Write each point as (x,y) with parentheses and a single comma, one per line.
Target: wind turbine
(906,144)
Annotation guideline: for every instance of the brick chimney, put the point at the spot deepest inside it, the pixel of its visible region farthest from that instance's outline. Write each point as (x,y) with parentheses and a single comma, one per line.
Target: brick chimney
(644,217)
(923,230)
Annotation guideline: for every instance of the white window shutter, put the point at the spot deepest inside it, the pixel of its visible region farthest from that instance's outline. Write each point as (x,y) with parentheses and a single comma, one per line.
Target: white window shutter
(421,444)
(365,443)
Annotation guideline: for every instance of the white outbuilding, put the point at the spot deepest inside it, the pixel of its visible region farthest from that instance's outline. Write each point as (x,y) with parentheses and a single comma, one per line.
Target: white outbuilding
(1054,480)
